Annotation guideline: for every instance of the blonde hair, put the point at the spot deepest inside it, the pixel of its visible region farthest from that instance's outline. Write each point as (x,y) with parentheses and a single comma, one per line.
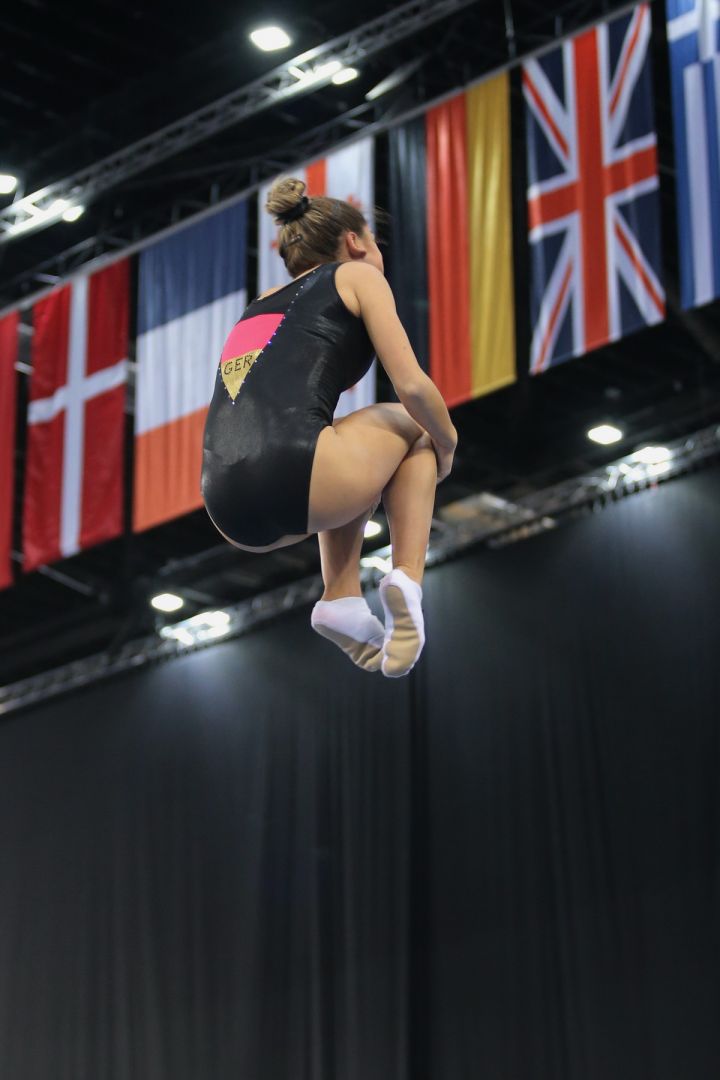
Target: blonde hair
(309,228)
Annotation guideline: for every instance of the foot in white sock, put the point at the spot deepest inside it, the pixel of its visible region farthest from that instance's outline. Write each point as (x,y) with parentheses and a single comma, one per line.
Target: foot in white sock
(350,624)
(404,625)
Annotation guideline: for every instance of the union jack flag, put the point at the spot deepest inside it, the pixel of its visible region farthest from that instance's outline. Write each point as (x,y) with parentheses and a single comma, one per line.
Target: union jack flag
(593,190)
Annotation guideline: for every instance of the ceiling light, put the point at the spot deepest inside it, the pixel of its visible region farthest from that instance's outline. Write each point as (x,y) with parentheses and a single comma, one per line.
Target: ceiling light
(372,528)
(178,633)
(73,213)
(167,602)
(327,69)
(345,75)
(209,618)
(8,183)
(269,38)
(652,455)
(605,434)
(377,563)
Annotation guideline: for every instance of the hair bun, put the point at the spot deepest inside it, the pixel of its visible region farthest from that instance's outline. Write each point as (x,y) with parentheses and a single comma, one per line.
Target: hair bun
(286,199)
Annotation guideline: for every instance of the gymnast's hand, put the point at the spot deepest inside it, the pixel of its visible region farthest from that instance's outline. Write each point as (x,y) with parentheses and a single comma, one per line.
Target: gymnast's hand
(444,452)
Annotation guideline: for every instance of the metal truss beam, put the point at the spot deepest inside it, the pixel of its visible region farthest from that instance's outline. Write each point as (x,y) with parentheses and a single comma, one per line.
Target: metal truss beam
(480,519)
(220,183)
(307,72)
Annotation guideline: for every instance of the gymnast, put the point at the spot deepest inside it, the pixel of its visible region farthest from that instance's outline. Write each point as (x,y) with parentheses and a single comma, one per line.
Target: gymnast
(277,468)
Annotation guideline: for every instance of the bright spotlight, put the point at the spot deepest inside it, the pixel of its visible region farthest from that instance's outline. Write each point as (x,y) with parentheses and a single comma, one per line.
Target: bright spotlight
(73,213)
(8,183)
(652,455)
(345,75)
(372,528)
(377,563)
(270,38)
(167,602)
(330,67)
(605,434)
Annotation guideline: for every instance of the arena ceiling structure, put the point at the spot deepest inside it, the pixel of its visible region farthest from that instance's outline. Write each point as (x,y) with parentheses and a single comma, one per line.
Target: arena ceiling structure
(162,110)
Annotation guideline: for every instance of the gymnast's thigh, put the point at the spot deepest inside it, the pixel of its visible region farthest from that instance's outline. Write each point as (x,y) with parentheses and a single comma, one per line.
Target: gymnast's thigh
(354,460)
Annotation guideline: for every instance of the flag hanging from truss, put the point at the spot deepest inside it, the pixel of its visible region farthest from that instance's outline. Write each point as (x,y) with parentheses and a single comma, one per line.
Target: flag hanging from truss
(76,416)
(345,174)
(191,291)
(8,382)
(693,32)
(593,209)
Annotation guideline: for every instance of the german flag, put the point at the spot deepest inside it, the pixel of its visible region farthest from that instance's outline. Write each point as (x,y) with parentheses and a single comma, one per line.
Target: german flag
(451,259)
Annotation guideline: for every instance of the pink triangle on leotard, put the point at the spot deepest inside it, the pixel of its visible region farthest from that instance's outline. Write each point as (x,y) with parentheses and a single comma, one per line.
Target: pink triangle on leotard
(250,334)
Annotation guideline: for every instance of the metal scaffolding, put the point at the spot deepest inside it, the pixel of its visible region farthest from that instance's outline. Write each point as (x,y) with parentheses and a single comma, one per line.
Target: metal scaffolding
(305,73)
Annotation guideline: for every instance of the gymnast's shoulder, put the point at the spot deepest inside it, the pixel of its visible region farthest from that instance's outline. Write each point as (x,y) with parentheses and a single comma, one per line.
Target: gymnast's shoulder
(361,286)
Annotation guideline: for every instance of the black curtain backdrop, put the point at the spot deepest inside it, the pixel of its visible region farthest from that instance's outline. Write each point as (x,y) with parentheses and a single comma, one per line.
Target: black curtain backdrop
(258,862)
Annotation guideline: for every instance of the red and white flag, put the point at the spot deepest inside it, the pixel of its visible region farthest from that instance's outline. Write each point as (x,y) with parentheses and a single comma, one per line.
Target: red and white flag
(345,174)
(8,356)
(74,469)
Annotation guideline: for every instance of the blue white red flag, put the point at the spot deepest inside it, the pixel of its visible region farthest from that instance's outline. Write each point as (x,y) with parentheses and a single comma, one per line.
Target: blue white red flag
(593,190)
(191,290)
(694,40)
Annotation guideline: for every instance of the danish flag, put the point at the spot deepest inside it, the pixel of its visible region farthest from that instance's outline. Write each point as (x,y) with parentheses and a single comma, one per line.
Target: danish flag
(593,190)
(74,468)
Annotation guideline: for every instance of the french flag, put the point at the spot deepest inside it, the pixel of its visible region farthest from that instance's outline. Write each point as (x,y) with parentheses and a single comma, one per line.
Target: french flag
(345,174)
(192,290)
(74,464)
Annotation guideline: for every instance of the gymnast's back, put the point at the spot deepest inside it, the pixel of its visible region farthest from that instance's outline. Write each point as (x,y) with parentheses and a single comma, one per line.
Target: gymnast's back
(281,373)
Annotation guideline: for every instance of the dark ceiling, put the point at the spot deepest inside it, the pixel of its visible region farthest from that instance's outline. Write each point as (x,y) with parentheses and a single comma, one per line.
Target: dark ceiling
(81,80)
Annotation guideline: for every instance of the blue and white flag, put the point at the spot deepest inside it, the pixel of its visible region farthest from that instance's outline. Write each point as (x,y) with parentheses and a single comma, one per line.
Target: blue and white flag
(694,40)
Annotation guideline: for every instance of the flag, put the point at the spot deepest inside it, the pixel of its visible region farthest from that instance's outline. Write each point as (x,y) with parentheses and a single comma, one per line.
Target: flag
(593,206)
(8,401)
(693,32)
(406,260)
(451,258)
(344,174)
(191,292)
(74,463)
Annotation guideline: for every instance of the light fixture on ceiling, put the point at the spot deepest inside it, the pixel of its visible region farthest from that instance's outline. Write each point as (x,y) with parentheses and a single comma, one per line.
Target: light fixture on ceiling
(377,563)
(372,528)
(652,455)
(270,38)
(8,183)
(167,602)
(346,74)
(330,67)
(605,434)
(205,626)
(73,213)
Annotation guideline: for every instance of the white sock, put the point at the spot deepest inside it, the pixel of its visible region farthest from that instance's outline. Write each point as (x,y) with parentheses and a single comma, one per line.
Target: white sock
(404,625)
(350,624)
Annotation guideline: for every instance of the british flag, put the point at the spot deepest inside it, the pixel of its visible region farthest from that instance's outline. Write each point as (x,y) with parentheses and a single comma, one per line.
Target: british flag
(593,190)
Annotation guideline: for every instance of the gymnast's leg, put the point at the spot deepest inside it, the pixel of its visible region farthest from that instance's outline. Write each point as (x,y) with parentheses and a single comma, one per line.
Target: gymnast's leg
(365,454)
(343,615)
(408,499)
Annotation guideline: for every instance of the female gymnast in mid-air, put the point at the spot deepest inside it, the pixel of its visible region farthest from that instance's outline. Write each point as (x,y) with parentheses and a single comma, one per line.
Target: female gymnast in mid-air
(277,468)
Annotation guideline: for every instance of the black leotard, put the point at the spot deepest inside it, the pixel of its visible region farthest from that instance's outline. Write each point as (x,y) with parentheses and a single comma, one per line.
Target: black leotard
(283,368)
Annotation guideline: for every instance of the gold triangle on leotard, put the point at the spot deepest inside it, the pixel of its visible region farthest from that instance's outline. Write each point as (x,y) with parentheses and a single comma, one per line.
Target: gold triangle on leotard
(235,369)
